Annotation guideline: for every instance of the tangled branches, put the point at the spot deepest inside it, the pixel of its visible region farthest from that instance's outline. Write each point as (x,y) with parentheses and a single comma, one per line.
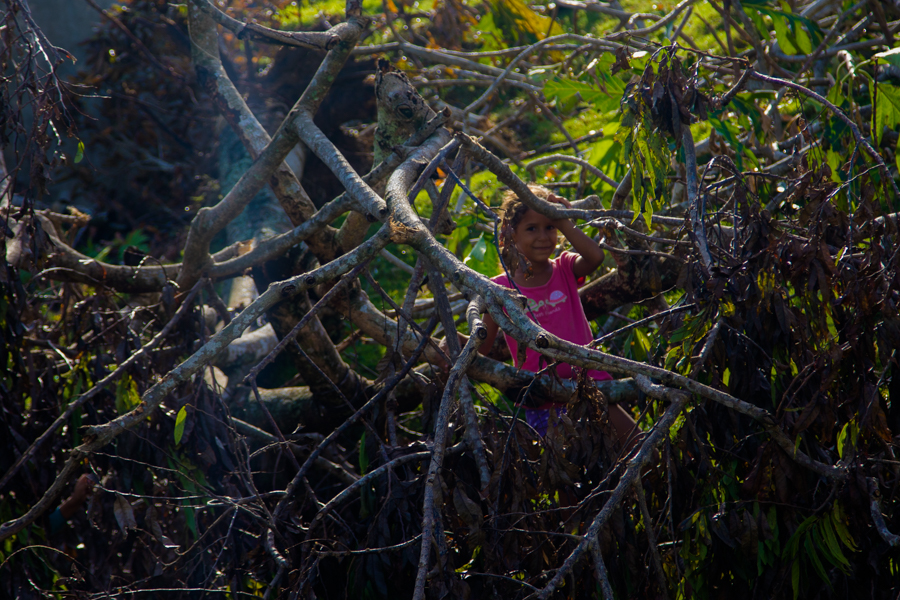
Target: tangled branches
(758,267)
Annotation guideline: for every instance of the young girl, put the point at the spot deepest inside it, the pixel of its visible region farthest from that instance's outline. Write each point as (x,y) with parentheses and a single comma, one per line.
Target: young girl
(528,243)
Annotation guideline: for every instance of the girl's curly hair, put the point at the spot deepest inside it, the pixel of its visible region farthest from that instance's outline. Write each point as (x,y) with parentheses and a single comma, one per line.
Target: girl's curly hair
(512,209)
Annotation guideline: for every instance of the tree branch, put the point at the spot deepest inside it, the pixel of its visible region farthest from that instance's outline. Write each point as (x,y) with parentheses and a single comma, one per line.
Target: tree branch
(632,473)
(431,513)
(312,40)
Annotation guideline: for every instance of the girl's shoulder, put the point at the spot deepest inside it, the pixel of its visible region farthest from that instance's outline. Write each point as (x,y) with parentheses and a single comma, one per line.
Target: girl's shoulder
(565,261)
(502,279)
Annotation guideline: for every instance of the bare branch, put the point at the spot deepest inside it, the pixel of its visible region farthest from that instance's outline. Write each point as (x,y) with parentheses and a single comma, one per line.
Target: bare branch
(892,539)
(313,40)
(431,512)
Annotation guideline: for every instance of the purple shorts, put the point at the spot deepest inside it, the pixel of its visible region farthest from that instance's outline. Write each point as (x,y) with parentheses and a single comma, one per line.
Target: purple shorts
(539,418)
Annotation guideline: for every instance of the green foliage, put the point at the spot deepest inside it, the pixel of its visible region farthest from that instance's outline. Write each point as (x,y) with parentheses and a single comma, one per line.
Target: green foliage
(520,23)
(180,420)
(643,151)
(887,109)
(127,396)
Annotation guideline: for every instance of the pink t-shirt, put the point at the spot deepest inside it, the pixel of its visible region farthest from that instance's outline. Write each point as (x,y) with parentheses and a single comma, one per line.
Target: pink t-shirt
(556,307)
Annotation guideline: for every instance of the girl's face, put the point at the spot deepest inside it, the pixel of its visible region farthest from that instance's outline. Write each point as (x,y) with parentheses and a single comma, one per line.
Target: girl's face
(536,237)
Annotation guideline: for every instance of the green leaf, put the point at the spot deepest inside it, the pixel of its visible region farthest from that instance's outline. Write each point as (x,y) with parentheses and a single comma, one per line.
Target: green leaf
(785,39)
(835,556)
(840,528)
(897,155)
(457,239)
(180,420)
(478,250)
(127,397)
(516,17)
(190,518)
(757,19)
(842,440)
(836,94)
(887,113)
(793,544)
(792,25)
(363,455)
(79,154)
(834,161)
(566,91)
(891,56)
(483,258)
(643,340)
(811,546)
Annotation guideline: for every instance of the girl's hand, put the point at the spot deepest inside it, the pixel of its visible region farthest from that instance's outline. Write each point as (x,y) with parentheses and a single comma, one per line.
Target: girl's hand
(560,223)
(590,254)
(559,200)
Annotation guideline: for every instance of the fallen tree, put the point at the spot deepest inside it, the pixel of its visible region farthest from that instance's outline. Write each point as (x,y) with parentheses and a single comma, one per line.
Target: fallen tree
(757,268)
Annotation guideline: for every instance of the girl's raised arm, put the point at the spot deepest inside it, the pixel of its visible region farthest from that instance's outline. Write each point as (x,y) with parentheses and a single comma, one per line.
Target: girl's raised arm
(590,255)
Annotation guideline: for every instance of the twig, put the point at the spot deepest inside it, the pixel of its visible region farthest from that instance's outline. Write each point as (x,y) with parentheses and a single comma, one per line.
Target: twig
(644,321)
(693,194)
(658,572)
(164,69)
(473,433)
(210,221)
(431,513)
(522,55)
(632,473)
(617,224)
(388,386)
(394,548)
(881,527)
(325,299)
(606,246)
(658,25)
(601,573)
(312,40)
(367,479)
(511,318)
(851,124)
(572,159)
(98,436)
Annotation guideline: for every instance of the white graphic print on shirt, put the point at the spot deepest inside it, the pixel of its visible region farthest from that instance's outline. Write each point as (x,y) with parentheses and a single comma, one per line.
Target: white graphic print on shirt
(551,305)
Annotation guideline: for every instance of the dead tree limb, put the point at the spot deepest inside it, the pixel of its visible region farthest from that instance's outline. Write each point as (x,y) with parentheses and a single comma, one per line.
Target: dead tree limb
(431,512)
(632,473)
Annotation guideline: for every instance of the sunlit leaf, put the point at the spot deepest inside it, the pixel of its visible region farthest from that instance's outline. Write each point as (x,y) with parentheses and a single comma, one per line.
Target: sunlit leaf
(180,420)
(127,397)
(567,91)
(887,111)
(478,250)
(892,56)
(516,17)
